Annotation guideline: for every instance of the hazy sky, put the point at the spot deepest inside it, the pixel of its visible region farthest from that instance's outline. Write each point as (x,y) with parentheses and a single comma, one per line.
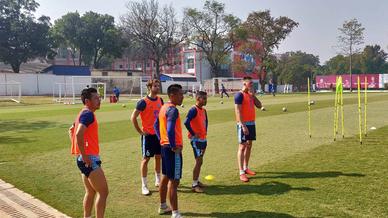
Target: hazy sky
(318,19)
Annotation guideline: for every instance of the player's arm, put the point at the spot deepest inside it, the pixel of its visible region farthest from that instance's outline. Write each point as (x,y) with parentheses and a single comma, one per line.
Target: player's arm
(207,121)
(190,116)
(257,102)
(141,105)
(157,129)
(134,116)
(71,132)
(172,116)
(80,133)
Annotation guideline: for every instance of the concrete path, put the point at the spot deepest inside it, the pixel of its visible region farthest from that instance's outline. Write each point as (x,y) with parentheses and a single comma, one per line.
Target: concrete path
(15,203)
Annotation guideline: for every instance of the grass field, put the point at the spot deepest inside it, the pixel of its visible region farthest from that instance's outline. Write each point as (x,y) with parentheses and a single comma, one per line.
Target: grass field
(298,176)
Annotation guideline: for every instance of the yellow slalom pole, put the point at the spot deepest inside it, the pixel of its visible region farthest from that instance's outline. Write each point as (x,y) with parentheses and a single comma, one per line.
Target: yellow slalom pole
(365,105)
(335,110)
(359,108)
(342,111)
(309,104)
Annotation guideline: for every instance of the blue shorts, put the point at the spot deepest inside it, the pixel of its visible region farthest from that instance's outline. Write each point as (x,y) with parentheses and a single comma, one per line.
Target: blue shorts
(252,132)
(150,145)
(96,163)
(199,145)
(171,163)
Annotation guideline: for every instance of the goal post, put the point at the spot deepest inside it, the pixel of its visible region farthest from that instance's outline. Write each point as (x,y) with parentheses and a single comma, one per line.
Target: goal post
(70,93)
(11,91)
(213,86)
(130,87)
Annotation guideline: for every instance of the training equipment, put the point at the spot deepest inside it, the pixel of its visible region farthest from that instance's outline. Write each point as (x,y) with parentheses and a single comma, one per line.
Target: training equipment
(309,105)
(209,177)
(69,93)
(359,108)
(213,86)
(284,109)
(10,91)
(373,128)
(131,87)
(338,104)
(365,104)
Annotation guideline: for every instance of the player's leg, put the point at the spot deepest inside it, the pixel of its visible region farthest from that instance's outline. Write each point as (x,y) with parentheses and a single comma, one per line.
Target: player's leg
(156,151)
(144,164)
(241,153)
(90,194)
(98,182)
(163,186)
(247,155)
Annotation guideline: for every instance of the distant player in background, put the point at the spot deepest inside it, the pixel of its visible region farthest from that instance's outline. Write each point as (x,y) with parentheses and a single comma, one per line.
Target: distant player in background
(85,145)
(169,130)
(245,102)
(196,123)
(148,108)
(223,91)
(116,91)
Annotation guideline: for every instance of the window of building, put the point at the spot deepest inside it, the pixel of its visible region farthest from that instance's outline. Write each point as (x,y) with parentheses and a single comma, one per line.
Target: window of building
(190,63)
(104,73)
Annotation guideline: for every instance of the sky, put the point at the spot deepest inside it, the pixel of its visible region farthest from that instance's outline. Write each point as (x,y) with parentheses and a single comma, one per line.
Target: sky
(318,20)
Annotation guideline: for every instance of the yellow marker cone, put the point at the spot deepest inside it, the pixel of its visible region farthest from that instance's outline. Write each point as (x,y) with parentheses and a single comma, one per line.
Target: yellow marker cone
(209,177)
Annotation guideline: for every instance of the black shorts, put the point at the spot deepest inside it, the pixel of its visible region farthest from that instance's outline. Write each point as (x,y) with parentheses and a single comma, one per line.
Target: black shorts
(150,145)
(252,132)
(96,163)
(198,146)
(171,163)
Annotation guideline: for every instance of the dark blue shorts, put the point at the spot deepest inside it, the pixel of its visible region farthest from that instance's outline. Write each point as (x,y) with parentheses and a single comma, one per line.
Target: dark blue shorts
(96,163)
(252,132)
(171,163)
(150,145)
(199,146)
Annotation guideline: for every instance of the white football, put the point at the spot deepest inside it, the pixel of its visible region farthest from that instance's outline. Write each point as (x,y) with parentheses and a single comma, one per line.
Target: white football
(284,109)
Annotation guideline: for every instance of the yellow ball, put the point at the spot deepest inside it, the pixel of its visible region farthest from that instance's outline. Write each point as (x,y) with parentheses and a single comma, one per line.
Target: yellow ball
(209,177)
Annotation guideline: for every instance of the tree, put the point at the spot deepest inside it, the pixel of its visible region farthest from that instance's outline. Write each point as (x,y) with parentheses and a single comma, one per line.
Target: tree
(351,35)
(270,31)
(295,67)
(155,30)
(373,59)
(66,32)
(101,38)
(213,31)
(22,37)
(93,36)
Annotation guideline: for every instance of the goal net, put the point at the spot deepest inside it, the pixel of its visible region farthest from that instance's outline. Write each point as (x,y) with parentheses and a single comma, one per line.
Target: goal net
(130,87)
(213,86)
(10,91)
(70,93)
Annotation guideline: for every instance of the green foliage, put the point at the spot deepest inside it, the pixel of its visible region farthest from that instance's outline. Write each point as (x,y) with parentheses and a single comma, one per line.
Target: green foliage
(22,37)
(295,67)
(94,37)
(213,31)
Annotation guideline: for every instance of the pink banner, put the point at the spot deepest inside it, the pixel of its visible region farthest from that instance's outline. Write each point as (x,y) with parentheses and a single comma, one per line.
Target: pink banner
(328,81)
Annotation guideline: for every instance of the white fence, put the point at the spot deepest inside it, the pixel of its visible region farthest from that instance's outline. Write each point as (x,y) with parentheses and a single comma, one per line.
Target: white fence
(35,84)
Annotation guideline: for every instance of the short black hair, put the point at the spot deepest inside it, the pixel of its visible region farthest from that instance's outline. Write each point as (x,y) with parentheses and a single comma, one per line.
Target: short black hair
(173,89)
(200,94)
(87,94)
(247,78)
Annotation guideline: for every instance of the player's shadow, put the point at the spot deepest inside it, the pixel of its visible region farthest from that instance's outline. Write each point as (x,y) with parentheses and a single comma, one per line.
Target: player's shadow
(249,213)
(24,126)
(267,188)
(304,175)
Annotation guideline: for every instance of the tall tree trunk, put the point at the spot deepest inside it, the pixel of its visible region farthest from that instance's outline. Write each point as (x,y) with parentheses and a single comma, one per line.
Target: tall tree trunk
(16,67)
